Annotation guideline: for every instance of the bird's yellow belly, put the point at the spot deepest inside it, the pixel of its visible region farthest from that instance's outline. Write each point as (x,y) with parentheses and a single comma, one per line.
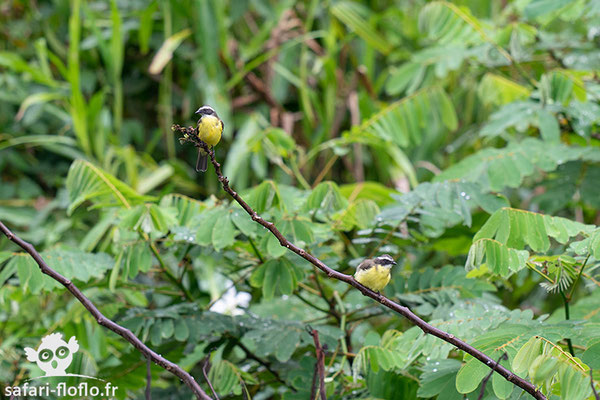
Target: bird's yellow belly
(209,130)
(374,278)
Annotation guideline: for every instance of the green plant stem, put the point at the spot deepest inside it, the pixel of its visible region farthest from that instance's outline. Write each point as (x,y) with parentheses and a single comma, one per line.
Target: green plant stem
(567,317)
(165,93)
(298,174)
(260,257)
(570,296)
(311,304)
(533,268)
(169,274)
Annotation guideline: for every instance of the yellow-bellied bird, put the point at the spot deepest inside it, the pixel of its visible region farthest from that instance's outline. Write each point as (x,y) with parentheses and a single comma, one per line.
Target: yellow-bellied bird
(375,273)
(210,128)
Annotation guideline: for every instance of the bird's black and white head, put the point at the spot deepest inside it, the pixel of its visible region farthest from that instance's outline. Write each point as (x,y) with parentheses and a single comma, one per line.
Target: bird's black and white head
(385,260)
(206,110)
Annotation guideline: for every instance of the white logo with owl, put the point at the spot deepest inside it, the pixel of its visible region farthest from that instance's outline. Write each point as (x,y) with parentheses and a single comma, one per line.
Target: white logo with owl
(53,355)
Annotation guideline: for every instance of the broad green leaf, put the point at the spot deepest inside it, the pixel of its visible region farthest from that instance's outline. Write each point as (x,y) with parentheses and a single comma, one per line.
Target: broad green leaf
(326,199)
(592,356)
(223,233)
(264,196)
(498,90)
(526,355)
(470,375)
(244,223)
(205,223)
(502,388)
(549,128)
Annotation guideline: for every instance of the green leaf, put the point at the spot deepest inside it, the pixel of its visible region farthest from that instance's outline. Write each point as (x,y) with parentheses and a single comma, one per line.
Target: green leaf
(398,121)
(30,277)
(470,375)
(244,223)
(548,126)
(264,196)
(326,199)
(223,233)
(526,354)
(375,191)
(165,53)
(502,388)
(205,224)
(526,158)
(271,279)
(592,356)
(286,345)
(350,14)
(573,384)
(86,182)
(187,208)
(439,378)
(497,90)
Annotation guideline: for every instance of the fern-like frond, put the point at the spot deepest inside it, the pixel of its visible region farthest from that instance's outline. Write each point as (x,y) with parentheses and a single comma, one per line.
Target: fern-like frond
(351,14)
(441,204)
(498,90)
(496,169)
(413,119)
(85,181)
(502,239)
(445,22)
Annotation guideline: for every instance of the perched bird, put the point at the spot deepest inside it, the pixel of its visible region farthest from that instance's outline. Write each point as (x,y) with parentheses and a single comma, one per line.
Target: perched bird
(210,128)
(375,273)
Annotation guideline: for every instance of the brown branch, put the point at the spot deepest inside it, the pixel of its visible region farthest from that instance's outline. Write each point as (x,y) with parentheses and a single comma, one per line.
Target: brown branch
(102,320)
(205,365)
(596,396)
(319,366)
(190,135)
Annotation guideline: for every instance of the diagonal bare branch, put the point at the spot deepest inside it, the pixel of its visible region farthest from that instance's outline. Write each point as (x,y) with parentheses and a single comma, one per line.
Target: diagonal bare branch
(105,322)
(190,135)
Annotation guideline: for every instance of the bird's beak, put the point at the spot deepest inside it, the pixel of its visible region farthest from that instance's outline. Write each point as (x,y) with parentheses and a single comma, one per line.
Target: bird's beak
(198,111)
(394,263)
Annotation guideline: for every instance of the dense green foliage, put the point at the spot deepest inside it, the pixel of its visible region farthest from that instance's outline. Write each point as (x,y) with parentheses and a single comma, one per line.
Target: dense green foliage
(460,137)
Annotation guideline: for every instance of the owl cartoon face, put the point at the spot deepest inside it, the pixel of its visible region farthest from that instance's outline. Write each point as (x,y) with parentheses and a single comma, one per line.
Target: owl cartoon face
(54,355)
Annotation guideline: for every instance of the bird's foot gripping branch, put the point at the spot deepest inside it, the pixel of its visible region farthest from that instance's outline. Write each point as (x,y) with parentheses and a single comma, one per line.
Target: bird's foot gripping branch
(190,135)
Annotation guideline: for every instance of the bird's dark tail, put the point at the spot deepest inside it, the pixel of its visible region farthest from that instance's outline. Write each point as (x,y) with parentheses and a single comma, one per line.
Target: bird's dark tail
(202,162)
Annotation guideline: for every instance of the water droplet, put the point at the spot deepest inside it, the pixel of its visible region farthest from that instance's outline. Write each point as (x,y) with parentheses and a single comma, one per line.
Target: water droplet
(463,194)
(434,370)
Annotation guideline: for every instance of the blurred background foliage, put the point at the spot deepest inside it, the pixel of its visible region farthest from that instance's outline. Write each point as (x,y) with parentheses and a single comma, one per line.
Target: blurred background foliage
(448,134)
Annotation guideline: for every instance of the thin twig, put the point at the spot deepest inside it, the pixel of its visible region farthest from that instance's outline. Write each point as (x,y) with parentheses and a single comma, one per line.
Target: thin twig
(148,380)
(596,396)
(190,135)
(102,320)
(319,366)
(262,362)
(205,365)
(504,356)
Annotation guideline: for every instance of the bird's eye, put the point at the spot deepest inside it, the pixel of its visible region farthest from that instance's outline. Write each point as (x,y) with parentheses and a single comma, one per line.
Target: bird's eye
(45,354)
(62,352)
